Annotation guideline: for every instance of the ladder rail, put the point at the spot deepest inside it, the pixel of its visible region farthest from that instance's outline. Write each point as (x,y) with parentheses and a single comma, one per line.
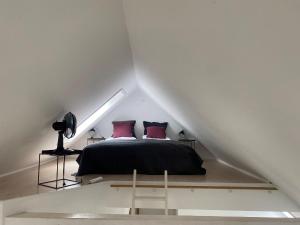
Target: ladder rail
(133,192)
(166,193)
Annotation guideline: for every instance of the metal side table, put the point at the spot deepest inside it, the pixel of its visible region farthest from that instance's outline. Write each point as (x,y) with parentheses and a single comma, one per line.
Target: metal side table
(56,181)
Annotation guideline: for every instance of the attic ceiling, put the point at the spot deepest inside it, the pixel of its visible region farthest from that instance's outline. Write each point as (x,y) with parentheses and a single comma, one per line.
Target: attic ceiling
(56,56)
(226,70)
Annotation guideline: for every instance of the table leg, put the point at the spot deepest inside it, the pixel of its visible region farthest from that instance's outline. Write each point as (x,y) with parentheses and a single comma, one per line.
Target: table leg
(64,171)
(57,157)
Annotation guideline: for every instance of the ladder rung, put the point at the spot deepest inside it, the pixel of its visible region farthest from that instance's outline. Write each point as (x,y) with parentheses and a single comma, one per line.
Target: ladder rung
(163,198)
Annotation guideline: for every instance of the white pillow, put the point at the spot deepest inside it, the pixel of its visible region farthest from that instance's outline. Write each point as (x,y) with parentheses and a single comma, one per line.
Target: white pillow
(120,138)
(166,139)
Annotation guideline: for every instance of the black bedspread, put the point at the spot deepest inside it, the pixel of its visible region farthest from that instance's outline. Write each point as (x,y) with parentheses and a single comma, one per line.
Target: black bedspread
(147,156)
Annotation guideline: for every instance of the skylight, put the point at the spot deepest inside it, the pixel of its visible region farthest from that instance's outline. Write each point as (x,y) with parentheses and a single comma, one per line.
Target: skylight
(90,121)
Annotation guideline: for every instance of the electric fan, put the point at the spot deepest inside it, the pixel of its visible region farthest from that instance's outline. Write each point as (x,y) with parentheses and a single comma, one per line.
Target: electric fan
(65,128)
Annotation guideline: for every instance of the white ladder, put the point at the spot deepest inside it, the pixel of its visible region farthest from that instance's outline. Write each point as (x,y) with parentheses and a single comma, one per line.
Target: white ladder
(163,198)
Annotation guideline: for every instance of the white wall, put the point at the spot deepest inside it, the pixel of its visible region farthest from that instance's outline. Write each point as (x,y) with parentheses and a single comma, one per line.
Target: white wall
(56,56)
(139,106)
(228,71)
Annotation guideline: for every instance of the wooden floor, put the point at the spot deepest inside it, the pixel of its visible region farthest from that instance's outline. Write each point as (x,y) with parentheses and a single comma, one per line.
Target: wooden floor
(216,172)
(25,183)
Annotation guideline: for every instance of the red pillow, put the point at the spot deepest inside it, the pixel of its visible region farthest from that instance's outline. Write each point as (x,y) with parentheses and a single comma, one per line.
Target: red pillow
(122,130)
(156,132)
(130,122)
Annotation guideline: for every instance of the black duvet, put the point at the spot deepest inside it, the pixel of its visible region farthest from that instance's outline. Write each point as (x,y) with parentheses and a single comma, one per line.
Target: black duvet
(146,156)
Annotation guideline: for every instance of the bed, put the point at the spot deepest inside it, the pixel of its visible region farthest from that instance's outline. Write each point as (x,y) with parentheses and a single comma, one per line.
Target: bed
(147,156)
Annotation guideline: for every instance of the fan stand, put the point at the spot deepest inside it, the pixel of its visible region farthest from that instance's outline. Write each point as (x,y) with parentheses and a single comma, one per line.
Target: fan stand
(60,150)
(60,142)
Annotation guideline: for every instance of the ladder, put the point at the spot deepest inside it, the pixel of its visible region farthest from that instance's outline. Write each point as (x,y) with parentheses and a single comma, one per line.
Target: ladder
(163,198)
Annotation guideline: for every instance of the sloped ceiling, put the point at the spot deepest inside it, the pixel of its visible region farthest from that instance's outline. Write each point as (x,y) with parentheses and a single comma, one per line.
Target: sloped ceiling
(56,56)
(229,71)
(226,70)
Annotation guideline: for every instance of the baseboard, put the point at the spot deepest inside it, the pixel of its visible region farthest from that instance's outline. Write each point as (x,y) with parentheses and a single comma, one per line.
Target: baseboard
(244,171)
(26,168)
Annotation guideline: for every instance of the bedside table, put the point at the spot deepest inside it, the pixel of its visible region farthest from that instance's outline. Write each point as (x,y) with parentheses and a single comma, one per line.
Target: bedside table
(94,140)
(189,142)
(63,154)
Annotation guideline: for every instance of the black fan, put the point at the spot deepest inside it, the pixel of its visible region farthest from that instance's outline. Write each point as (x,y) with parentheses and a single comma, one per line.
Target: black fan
(65,128)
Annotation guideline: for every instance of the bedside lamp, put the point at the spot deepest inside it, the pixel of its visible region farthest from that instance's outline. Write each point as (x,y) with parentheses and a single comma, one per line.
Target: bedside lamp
(92,133)
(181,134)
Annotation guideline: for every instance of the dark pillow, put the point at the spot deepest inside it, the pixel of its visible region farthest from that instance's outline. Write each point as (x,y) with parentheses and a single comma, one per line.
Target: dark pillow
(156,132)
(130,123)
(153,124)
